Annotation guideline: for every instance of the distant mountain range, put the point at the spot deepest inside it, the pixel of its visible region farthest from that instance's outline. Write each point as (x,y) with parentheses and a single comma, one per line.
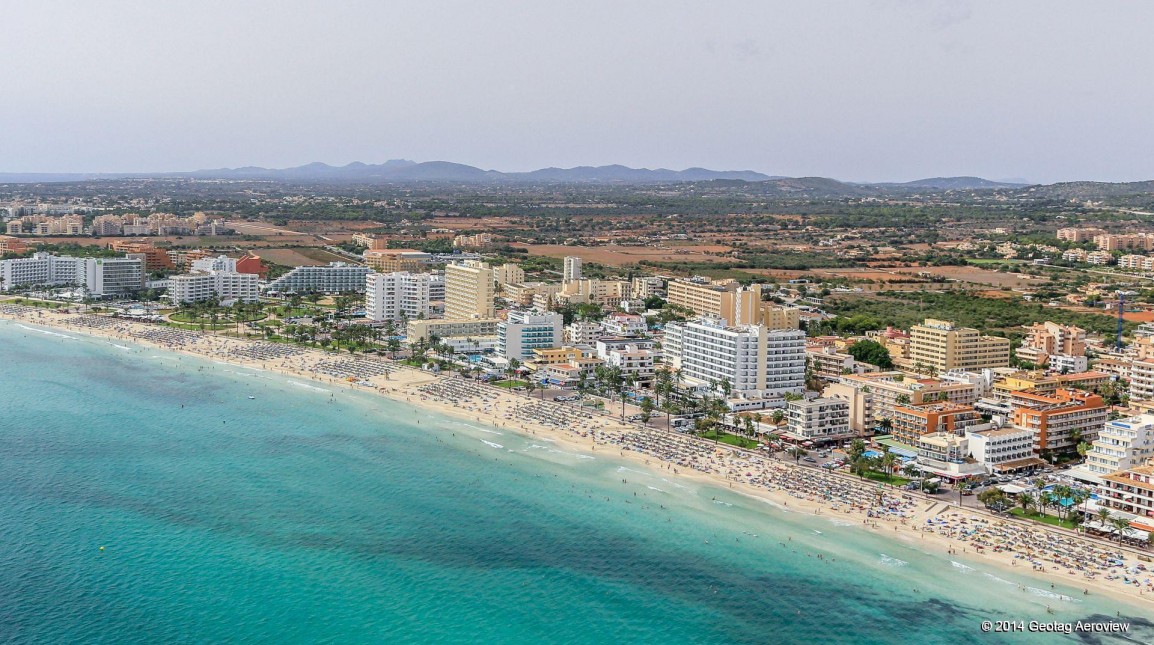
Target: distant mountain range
(955,183)
(402,171)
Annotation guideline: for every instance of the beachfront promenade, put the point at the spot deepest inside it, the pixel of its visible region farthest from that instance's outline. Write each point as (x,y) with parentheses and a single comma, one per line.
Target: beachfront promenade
(943,527)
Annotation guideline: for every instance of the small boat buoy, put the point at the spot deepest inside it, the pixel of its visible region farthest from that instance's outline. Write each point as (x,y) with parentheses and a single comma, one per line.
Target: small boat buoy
(101,548)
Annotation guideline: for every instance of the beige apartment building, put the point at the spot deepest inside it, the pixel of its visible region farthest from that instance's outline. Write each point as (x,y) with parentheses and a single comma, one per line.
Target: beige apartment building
(452,328)
(728,300)
(942,346)
(874,396)
(509,273)
(1125,242)
(607,293)
(717,299)
(1075,234)
(469,290)
(395,260)
(1047,339)
(779,317)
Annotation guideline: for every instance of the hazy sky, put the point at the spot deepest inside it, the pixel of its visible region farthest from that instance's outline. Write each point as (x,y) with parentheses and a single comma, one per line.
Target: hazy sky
(866,90)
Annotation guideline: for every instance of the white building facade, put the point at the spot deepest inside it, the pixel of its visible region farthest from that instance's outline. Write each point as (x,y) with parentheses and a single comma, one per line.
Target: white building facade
(337,277)
(1122,444)
(396,296)
(821,419)
(224,286)
(526,331)
(756,362)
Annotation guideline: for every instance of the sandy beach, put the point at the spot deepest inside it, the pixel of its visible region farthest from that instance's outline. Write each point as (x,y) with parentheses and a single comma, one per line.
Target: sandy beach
(929,524)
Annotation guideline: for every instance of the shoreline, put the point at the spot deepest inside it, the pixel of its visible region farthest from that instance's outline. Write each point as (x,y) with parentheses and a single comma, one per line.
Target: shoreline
(939,527)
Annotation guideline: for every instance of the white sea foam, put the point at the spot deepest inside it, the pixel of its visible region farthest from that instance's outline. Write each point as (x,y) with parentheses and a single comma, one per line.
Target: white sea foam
(535,446)
(891,561)
(655,488)
(46,332)
(491,444)
(1050,594)
(818,532)
(120,346)
(769,502)
(623,469)
(961,567)
(717,501)
(310,387)
(997,579)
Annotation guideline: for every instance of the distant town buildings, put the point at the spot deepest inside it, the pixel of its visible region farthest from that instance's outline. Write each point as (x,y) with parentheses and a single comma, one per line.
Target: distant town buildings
(480,240)
(1131,241)
(1074,234)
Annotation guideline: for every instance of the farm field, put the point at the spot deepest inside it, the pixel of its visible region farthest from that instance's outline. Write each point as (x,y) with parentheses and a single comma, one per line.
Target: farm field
(622,255)
(299,257)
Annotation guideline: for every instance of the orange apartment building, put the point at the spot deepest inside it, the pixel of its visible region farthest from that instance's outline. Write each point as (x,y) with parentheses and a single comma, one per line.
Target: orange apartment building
(154,259)
(1060,420)
(910,422)
(251,263)
(9,244)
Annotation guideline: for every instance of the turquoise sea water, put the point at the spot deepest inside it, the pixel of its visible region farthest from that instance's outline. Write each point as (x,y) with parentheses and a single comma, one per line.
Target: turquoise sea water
(314,514)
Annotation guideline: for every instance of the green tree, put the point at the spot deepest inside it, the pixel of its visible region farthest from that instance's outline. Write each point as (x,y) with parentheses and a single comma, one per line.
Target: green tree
(872,352)
(647,407)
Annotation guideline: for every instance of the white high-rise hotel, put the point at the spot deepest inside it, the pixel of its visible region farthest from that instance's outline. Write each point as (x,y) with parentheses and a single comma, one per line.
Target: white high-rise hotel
(572,269)
(756,361)
(393,296)
(100,276)
(526,331)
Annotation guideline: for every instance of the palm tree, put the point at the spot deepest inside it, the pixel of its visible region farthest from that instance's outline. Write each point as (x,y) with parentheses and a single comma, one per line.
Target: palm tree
(772,439)
(797,452)
(1046,500)
(888,460)
(1121,526)
(668,406)
(1104,516)
(1025,500)
(1063,493)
